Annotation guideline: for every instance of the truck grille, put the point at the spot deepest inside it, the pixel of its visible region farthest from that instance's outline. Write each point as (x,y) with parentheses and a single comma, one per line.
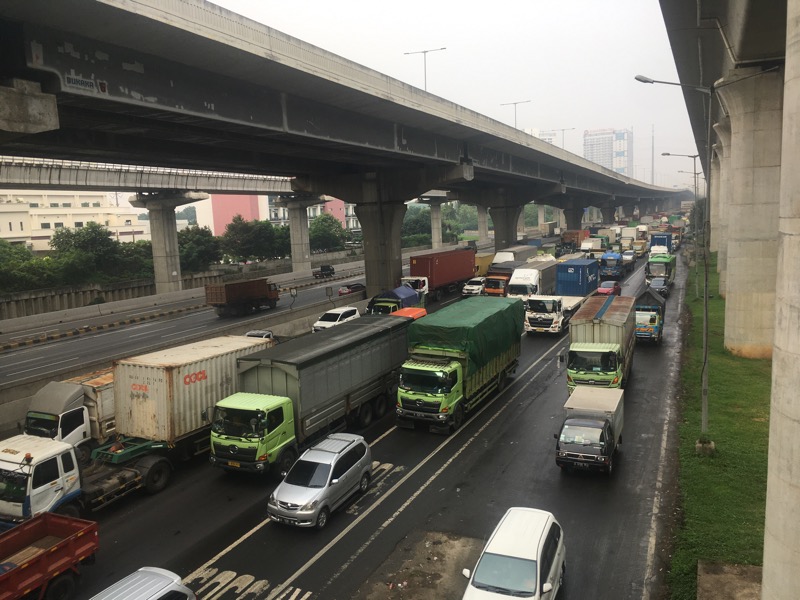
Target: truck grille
(419,405)
(540,321)
(232,451)
(591,382)
(579,456)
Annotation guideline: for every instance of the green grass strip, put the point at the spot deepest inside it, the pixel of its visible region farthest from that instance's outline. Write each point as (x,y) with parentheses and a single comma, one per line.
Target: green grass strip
(722,497)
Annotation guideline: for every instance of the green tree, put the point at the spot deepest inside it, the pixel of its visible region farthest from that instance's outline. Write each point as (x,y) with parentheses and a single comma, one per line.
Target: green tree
(325,232)
(416,221)
(94,240)
(198,248)
(187,214)
(467,217)
(283,242)
(238,241)
(136,259)
(263,240)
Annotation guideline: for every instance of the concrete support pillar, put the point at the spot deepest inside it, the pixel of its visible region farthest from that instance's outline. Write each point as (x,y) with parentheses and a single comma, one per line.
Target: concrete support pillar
(483,224)
(298,232)
(540,218)
(381,222)
(521,224)
(436,225)
(607,214)
(573,217)
(723,149)
(755,109)
(26,109)
(780,578)
(164,234)
(505,219)
(562,218)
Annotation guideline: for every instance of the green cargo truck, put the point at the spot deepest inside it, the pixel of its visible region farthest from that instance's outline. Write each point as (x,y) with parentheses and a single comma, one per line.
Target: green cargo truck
(602,341)
(459,357)
(305,388)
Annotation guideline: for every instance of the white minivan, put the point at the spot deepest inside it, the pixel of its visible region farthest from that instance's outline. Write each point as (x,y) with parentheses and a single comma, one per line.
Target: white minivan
(524,558)
(148,583)
(335,316)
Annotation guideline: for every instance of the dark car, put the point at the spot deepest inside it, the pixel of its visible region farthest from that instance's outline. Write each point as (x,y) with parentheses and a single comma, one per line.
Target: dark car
(351,288)
(610,288)
(660,285)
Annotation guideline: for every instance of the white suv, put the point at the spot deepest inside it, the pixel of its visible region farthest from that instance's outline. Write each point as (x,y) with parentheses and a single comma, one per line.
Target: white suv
(321,480)
(335,316)
(524,557)
(474,287)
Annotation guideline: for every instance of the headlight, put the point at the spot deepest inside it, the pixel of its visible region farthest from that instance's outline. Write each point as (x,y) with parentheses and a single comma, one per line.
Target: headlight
(271,498)
(309,505)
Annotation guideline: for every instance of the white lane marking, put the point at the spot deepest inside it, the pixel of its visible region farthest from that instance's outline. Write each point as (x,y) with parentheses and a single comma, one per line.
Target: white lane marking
(277,590)
(48,365)
(197,572)
(183,331)
(149,332)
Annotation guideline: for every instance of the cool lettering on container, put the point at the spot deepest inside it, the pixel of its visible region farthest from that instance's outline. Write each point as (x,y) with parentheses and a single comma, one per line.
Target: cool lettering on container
(194,377)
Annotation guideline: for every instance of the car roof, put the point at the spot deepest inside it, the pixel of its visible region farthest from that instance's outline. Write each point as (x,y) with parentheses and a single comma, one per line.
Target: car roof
(517,529)
(610,283)
(140,585)
(339,310)
(328,449)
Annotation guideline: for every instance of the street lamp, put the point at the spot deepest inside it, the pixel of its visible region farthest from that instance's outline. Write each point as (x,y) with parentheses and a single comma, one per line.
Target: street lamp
(694,158)
(562,134)
(515,108)
(425,62)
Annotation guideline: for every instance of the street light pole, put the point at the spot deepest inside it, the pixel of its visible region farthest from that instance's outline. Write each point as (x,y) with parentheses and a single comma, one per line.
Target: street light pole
(515,108)
(562,134)
(425,62)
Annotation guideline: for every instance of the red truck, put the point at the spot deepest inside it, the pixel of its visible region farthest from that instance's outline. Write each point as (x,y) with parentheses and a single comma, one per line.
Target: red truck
(42,557)
(239,298)
(434,274)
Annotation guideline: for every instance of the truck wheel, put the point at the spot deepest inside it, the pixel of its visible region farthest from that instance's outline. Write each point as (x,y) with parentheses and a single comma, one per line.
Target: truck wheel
(322,519)
(458,418)
(273,303)
(501,381)
(287,459)
(62,587)
(381,406)
(610,467)
(365,414)
(155,473)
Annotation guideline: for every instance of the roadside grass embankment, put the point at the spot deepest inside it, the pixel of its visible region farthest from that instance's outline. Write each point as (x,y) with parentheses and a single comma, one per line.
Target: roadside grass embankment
(722,496)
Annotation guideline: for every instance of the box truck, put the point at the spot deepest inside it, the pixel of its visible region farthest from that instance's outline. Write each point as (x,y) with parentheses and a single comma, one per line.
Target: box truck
(602,342)
(592,429)
(534,277)
(432,275)
(650,311)
(238,298)
(459,357)
(305,388)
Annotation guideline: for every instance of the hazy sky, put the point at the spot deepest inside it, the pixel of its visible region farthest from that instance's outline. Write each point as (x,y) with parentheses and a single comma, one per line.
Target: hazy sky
(575,60)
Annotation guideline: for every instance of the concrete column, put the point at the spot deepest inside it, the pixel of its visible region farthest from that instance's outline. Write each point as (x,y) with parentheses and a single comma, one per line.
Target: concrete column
(607,214)
(505,220)
(164,234)
(483,224)
(521,224)
(26,109)
(713,234)
(573,217)
(298,232)
(723,148)
(540,218)
(780,579)
(381,222)
(436,225)
(755,107)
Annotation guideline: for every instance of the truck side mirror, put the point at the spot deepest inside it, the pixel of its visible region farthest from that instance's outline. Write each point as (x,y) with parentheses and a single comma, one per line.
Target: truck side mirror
(555,436)
(204,415)
(561,358)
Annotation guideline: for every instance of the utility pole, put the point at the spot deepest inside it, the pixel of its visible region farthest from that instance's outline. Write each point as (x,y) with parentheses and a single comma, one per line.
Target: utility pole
(425,62)
(515,108)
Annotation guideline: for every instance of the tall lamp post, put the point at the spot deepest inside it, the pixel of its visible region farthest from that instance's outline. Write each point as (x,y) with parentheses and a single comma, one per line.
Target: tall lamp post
(515,108)
(694,157)
(425,62)
(562,134)
(706,230)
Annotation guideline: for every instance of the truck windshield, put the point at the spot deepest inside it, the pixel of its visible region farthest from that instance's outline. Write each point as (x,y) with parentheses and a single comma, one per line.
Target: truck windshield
(657,269)
(596,362)
(609,262)
(237,422)
(427,382)
(383,309)
(305,473)
(518,289)
(542,306)
(13,486)
(645,318)
(580,434)
(494,284)
(41,424)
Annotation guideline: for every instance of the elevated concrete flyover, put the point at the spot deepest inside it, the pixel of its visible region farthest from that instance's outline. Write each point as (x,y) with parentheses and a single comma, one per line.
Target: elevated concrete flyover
(191,85)
(739,63)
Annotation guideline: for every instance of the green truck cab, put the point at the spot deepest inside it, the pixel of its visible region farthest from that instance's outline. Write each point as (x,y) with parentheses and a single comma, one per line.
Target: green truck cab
(602,342)
(458,357)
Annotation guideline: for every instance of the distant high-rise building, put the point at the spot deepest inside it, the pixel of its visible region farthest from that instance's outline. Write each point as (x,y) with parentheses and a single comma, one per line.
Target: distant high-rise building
(545,136)
(610,148)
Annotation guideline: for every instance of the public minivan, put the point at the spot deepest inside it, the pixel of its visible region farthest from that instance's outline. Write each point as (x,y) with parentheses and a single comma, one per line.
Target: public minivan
(525,557)
(148,583)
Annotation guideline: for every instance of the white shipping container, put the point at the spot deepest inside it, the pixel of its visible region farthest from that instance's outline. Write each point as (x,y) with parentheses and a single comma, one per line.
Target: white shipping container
(160,396)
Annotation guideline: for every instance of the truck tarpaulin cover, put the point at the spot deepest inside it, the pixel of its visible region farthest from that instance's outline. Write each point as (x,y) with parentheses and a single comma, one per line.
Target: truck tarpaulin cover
(481,327)
(407,295)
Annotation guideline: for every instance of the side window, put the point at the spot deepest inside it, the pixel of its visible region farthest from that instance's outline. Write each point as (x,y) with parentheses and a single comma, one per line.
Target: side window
(71,421)
(274,419)
(350,314)
(174,595)
(340,468)
(45,472)
(67,463)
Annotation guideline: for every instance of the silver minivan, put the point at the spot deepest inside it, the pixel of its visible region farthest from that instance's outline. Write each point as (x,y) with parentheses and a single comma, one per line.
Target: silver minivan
(148,583)
(321,480)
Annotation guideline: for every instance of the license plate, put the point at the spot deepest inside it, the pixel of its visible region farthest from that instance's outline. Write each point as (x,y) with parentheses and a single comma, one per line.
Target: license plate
(581,465)
(234,464)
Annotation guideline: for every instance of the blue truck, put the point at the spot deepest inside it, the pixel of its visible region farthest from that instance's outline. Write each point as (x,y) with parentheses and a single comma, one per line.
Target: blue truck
(611,266)
(650,312)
